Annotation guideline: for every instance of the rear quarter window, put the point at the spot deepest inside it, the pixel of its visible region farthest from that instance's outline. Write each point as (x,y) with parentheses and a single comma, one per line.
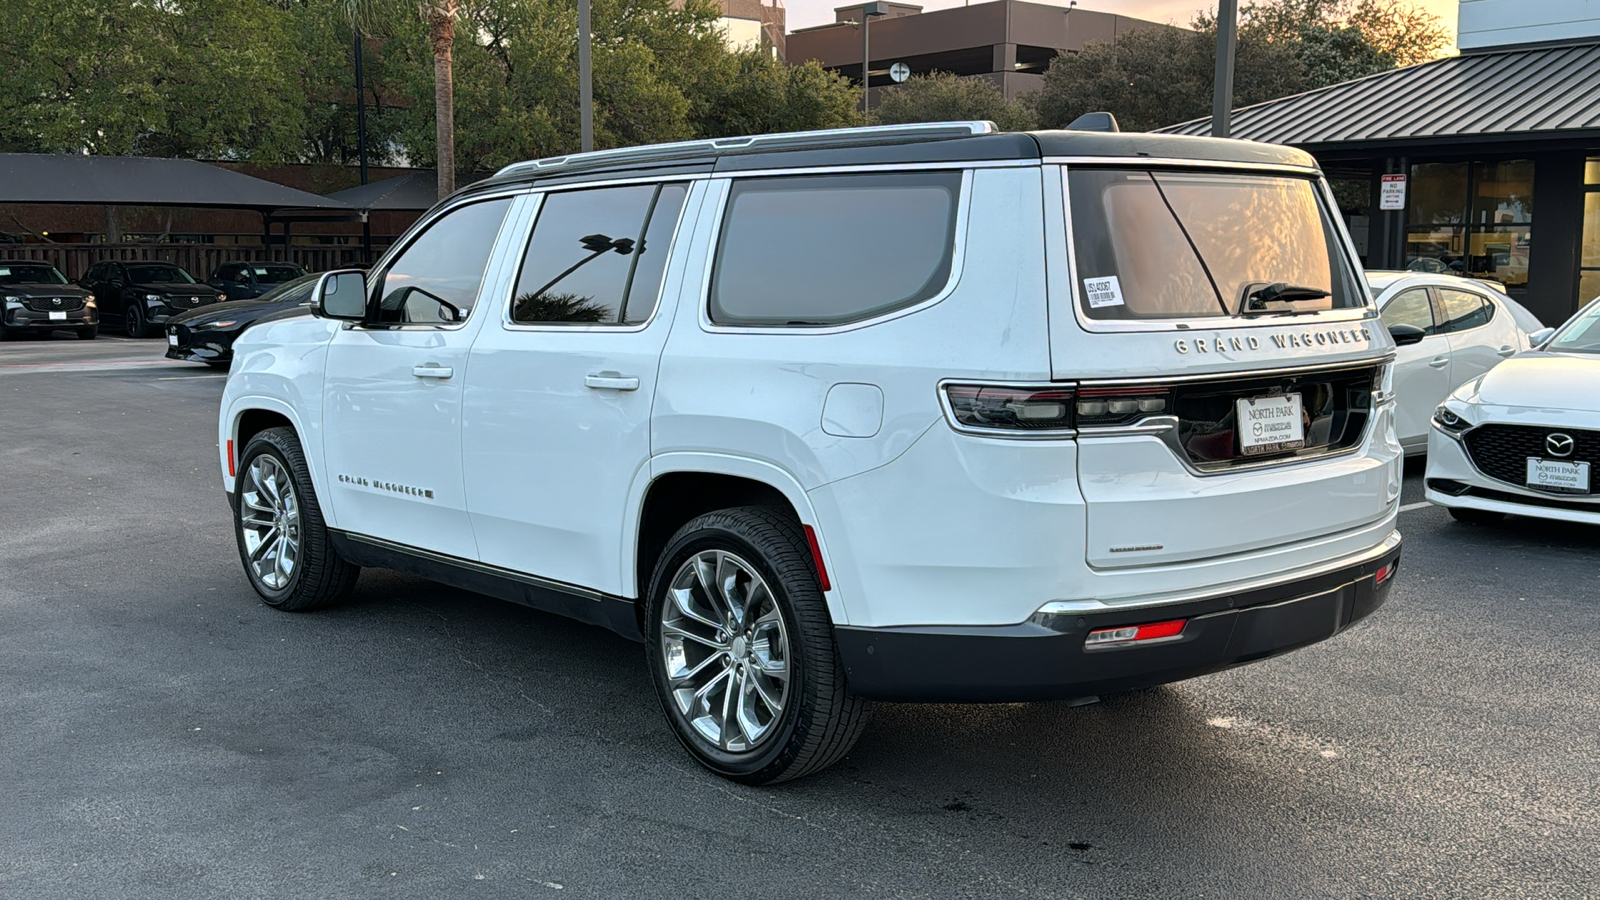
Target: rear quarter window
(818,250)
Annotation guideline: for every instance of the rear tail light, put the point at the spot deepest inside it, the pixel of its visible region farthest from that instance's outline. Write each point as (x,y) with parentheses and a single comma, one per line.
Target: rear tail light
(1133,634)
(1011,409)
(1120,405)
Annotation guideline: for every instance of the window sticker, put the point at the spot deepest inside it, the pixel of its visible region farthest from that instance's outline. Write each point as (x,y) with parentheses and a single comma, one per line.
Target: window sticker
(4,271)
(1103,292)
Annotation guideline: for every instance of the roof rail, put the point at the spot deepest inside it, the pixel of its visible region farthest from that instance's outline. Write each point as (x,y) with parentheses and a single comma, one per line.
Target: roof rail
(793,140)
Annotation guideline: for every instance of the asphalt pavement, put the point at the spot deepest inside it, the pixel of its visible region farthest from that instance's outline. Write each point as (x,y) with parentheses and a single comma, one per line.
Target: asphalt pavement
(163,734)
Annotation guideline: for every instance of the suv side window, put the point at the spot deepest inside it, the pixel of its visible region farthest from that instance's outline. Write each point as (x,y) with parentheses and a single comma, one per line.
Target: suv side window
(435,280)
(1464,310)
(832,249)
(596,257)
(1411,308)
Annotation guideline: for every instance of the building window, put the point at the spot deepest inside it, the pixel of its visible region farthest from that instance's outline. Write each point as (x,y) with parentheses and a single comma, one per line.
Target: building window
(1473,219)
(1589,257)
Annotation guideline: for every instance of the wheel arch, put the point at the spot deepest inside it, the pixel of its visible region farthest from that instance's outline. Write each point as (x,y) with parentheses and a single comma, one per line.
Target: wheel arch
(250,415)
(679,486)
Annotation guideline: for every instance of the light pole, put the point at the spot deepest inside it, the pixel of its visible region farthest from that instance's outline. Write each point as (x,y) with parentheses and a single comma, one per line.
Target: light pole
(585,85)
(869,11)
(1227,42)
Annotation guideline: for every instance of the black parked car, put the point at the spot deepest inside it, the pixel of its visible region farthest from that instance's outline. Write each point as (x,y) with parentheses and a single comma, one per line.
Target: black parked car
(246,280)
(207,335)
(38,298)
(137,295)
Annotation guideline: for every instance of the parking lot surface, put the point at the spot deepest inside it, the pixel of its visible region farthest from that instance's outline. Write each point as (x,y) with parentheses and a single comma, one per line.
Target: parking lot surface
(164,734)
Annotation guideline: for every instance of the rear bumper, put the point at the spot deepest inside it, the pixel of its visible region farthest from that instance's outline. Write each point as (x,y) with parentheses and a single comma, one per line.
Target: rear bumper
(1046,658)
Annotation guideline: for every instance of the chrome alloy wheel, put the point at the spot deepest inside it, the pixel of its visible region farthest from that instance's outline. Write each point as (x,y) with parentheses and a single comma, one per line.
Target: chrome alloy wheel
(270,522)
(726,650)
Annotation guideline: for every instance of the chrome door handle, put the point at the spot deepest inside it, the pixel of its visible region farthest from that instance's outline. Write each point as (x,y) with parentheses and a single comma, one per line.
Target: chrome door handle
(611,381)
(1507,351)
(433,370)
(1439,362)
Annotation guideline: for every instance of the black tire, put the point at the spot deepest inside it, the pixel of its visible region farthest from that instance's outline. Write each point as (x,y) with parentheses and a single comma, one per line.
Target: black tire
(820,719)
(222,364)
(1476,516)
(133,320)
(320,576)
(88,332)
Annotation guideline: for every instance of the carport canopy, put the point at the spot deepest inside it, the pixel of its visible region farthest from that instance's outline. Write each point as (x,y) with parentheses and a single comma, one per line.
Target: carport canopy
(412,192)
(146,181)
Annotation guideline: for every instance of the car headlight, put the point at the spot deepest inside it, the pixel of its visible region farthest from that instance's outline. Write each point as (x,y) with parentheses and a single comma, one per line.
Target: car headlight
(1384,384)
(152,299)
(212,326)
(89,302)
(221,297)
(13,302)
(1448,421)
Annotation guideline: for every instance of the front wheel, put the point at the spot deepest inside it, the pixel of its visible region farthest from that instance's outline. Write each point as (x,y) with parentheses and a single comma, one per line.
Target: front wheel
(741,652)
(283,541)
(133,320)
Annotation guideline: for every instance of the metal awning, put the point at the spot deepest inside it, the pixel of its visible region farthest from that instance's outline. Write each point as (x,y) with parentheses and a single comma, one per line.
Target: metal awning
(1484,97)
(145,181)
(412,192)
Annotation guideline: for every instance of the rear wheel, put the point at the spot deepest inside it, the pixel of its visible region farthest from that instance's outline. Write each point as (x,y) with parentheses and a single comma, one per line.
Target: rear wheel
(1475,516)
(283,541)
(133,320)
(741,650)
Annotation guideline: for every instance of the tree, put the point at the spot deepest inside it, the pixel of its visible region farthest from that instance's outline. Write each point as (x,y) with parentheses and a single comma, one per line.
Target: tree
(439,17)
(1155,77)
(749,92)
(942,97)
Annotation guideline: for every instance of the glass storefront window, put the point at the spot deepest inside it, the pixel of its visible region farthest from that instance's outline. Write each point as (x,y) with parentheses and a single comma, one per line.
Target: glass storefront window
(1473,219)
(1591,172)
(1589,252)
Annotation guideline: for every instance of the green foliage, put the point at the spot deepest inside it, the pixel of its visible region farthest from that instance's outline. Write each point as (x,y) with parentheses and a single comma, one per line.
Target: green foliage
(548,307)
(943,97)
(751,93)
(1155,77)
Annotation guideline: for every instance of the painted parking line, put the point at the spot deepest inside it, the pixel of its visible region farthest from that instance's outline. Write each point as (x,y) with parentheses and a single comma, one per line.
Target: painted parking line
(1410,506)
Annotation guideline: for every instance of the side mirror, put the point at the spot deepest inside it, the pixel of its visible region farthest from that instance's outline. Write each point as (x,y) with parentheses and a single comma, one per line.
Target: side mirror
(341,294)
(1539,338)
(1406,334)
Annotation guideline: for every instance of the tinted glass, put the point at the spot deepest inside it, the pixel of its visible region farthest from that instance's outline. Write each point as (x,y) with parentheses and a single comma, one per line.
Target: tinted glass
(158,275)
(1410,308)
(585,248)
(822,250)
(446,262)
(26,274)
(1464,310)
(1581,334)
(296,291)
(275,274)
(1162,244)
(650,264)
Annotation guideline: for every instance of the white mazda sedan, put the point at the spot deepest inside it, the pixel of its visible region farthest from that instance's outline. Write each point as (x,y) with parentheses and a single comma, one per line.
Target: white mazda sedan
(1524,438)
(1467,327)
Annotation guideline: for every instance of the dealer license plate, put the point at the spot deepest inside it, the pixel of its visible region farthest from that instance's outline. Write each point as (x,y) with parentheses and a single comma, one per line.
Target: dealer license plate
(1555,475)
(1270,424)
(172,339)
(58,317)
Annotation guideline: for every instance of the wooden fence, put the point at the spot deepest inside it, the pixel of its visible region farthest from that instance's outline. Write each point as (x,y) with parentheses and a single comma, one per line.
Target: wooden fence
(196,259)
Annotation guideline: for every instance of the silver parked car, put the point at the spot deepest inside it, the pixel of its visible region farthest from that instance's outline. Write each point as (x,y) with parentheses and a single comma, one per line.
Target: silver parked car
(1467,327)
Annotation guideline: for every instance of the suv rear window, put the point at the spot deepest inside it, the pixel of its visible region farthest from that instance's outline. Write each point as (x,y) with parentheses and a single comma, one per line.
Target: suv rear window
(1162,243)
(831,249)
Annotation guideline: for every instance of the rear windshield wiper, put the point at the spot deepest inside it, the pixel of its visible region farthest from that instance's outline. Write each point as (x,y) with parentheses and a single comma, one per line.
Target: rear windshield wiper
(1255,302)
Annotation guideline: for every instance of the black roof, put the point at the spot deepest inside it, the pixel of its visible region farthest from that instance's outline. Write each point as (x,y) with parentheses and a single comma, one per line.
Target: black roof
(143,181)
(880,146)
(1497,95)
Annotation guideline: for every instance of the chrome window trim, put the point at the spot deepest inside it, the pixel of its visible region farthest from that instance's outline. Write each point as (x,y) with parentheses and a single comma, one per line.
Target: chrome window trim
(416,231)
(1368,310)
(957,257)
(536,197)
(882,167)
(1056,434)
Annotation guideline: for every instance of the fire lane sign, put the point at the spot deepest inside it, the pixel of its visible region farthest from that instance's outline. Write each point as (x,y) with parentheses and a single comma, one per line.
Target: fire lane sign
(1392,194)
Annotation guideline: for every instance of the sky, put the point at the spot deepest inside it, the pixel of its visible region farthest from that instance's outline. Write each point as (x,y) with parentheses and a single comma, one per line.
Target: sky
(805,13)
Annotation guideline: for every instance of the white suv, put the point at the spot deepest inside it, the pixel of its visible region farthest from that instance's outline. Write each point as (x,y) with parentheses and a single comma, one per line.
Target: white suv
(919,413)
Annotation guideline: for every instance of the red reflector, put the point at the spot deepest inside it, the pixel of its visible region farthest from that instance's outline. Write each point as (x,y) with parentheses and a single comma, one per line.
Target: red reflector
(816,557)
(230,457)
(1129,634)
(1385,573)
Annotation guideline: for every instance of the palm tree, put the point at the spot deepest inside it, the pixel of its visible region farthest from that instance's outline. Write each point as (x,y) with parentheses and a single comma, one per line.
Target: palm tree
(375,16)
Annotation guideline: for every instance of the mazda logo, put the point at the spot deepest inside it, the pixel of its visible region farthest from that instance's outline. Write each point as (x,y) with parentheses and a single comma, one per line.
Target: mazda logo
(1559,444)
(55,301)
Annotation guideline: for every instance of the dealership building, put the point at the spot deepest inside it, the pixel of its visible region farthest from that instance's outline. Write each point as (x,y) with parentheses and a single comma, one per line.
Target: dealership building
(1485,164)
